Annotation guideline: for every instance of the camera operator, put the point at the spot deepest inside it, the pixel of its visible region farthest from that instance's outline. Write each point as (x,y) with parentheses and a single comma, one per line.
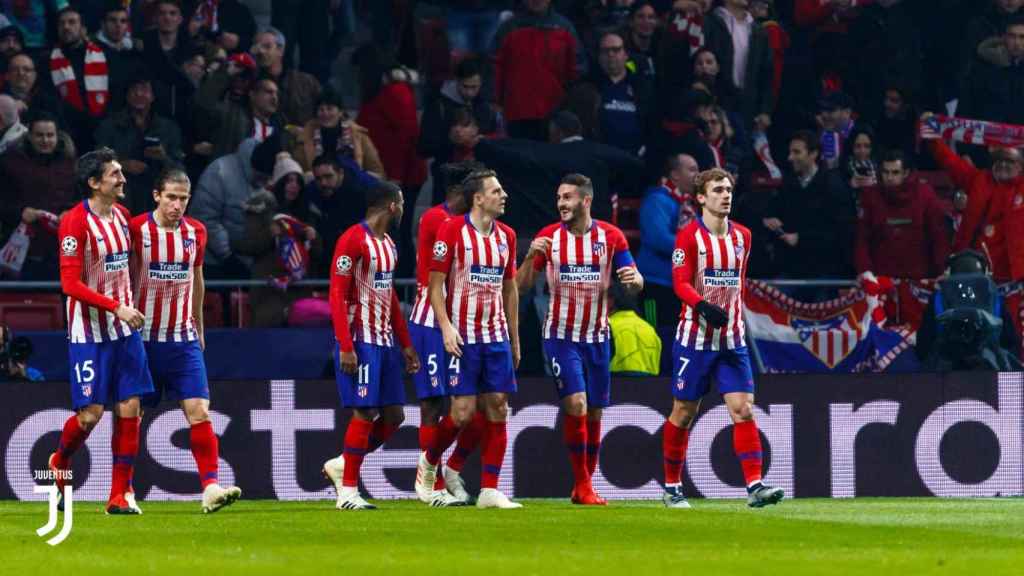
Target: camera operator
(966,326)
(14,354)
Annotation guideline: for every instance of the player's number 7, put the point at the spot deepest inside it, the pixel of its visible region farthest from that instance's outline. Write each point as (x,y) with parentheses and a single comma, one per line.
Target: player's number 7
(683,361)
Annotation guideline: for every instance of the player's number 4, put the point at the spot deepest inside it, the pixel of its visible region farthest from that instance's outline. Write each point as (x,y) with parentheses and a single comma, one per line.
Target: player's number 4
(84,372)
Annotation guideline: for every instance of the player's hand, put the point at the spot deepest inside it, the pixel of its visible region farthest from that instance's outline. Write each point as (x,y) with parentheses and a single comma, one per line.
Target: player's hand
(539,246)
(712,314)
(452,341)
(412,360)
(628,275)
(791,239)
(349,362)
(516,355)
(29,215)
(131,316)
(202,341)
(772,224)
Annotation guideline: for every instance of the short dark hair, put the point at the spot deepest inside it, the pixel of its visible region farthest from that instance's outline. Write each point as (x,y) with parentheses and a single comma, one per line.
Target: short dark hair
(468,68)
(474,183)
(581,182)
(91,165)
(608,33)
(330,97)
(169,176)
(809,139)
(260,80)
(567,122)
(37,116)
(896,155)
(707,176)
(381,194)
(329,160)
(673,162)
(455,172)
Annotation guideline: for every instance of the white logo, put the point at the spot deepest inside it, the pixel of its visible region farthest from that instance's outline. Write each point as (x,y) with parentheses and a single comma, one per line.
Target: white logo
(54,500)
(344,264)
(678,257)
(440,249)
(69,245)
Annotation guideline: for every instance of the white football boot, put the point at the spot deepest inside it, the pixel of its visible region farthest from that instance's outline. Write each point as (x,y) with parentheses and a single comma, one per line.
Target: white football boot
(426,475)
(216,497)
(349,499)
(492,498)
(129,497)
(455,486)
(334,470)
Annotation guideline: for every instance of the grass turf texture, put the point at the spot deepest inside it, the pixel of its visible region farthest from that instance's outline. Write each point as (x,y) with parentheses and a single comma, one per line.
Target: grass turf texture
(806,536)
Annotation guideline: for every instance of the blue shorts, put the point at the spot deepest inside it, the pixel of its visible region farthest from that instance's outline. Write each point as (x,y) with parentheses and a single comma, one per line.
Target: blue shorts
(581,367)
(483,368)
(378,378)
(431,381)
(178,370)
(108,372)
(693,370)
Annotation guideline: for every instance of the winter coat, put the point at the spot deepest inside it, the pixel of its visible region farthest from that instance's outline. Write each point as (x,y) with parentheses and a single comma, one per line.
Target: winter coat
(390,118)
(901,233)
(219,200)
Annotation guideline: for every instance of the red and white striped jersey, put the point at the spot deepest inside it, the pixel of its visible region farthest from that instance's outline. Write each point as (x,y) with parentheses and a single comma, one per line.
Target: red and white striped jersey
(362,286)
(163,270)
(477,265)
(430,224)
(712,268)
(97,252)
(579,270)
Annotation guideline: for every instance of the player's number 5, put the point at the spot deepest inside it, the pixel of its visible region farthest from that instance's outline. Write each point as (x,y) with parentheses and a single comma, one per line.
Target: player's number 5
(682,365)
(84,372)
(432,364)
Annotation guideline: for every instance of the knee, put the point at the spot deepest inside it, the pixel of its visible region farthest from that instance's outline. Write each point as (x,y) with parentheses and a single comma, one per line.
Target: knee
(576,405)
(395,415)
(743,412)
(198,415)
(88,418)
(462,415)
(497,411)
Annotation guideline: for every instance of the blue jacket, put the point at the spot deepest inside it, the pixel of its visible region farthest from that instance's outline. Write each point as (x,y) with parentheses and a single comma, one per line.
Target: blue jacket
(659,214)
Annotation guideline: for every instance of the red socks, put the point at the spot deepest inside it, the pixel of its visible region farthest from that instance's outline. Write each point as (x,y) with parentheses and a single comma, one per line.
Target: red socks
(746,442)
(380,433)
(357,440)
(673,446)
(428,433)
(445,435)
(495,441)
(468,440)
(124,444)
(574,433)
(71,439)
(205,448)
(593,445)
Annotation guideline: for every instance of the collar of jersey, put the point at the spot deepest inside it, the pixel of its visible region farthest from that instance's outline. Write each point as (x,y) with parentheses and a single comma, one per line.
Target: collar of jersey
(585,232)
(494,226)
(728,230)
(181,223)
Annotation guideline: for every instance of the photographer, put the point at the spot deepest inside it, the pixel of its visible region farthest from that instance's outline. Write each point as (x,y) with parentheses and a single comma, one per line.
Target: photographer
(966,326)
(14,355)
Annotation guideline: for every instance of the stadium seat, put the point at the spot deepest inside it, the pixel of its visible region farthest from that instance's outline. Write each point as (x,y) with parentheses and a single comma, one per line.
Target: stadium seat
(213,310)
(240,312)
(32,311)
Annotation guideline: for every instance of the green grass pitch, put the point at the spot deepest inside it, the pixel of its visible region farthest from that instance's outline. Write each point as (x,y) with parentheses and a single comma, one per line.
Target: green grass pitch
(806,536)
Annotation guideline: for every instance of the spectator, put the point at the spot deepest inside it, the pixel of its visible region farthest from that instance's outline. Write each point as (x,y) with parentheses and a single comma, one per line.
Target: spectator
(299,90)
(763,12)
(31,18)
(684,35)
(991,23)
(341,203)
(858,165)
(228,23)
(287,183)
(835,120)
(742,47)
(11,42)
(223,188)
(812,217)
(682,131)
(437,139)
(896,124)
(122,57)
(333,130)
(642,39)
(666,209)
(994,91)
(307,23)
(707,76)
(146,143)
(538,54)
(472,24)
(626,97)
(11,128)
(636,346)
(23,85)
(84,91)
(236,106)
(166,49)
(901,226)
(721,138)
(38,174)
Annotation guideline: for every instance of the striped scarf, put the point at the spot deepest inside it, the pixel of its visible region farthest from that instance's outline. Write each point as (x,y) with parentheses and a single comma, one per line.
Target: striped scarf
(292,250)
(96,82)
(689,29)
(969,131)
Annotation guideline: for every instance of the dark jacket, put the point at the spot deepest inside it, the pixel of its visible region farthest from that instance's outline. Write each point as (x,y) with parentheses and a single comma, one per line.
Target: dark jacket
(299,93)
(822,215)
(120,133)
(633,91)
(174,95)
(42,182)
(438,118)
(756,97)
(222,121)
(338,212)
(994,93)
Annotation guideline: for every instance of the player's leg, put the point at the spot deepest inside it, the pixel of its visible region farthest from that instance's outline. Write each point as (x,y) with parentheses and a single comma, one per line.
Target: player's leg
(357,441)
(205,448)
(124,445)
(570,383)
(597,366)
(361,392)
(498,381)
(465,444)
(689,384)
(736,384)
(90,391)
(76,431)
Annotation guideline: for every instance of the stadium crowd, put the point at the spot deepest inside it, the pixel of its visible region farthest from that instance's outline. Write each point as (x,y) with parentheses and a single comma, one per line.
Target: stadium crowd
(296,107)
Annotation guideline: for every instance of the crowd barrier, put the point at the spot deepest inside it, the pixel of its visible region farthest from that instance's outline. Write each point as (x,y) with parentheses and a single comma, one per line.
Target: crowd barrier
(851,435)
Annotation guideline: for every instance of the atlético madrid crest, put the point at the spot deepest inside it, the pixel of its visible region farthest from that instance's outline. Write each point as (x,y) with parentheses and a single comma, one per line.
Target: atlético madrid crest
(830,340)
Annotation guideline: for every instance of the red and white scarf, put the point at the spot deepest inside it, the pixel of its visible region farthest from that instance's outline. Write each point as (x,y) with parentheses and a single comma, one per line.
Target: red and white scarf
(969,131)
(689,29)
(687,204)
(97,89)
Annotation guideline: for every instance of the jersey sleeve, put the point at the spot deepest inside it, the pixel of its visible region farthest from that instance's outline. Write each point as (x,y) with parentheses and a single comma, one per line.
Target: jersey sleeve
(73,239)
(683,268)
(444,247)
(346,258)
(200,243)
(398,323)
(621,256)
(510,266)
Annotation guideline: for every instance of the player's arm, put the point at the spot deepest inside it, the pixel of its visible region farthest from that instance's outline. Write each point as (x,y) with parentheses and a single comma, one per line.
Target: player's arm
(345,260)
(534,262)
(198,296)
(683,270)
(72,262)
(398,324)
(440,266)
(625,266)
(510,299)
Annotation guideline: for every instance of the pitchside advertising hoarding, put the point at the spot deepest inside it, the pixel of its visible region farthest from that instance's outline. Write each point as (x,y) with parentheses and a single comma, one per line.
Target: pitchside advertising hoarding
(824,435)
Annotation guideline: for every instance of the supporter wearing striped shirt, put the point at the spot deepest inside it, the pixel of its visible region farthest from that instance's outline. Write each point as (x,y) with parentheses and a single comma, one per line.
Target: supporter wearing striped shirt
(367,319)
(107,359)
(474,259)
(709,267)
(167,277)
(579,255)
